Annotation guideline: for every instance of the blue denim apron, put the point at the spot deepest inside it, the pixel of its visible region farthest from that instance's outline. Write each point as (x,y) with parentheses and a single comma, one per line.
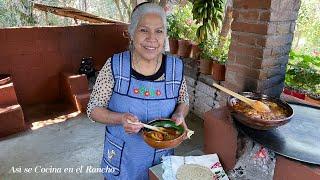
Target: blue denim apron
(127,156)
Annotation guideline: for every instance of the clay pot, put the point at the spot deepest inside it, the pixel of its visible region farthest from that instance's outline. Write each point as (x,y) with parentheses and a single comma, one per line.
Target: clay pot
(195,51)
(205,66)
(164,144)
(312,100)
(218,71)
(287,91)
(184,49)
(173,43)
(298,95)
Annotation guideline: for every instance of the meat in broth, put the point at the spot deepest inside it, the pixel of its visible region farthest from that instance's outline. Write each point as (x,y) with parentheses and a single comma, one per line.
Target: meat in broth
(171,134)
(277,112)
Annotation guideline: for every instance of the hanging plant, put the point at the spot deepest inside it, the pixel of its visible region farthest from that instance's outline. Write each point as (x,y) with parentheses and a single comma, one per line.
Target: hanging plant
(208,13)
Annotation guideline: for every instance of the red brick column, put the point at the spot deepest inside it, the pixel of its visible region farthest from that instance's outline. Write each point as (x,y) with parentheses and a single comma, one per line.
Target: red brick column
(262,33)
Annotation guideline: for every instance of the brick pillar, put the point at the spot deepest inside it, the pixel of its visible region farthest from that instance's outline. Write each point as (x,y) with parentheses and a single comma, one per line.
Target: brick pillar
(262,33)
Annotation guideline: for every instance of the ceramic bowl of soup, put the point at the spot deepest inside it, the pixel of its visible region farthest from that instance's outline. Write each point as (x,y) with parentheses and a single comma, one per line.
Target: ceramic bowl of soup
(172,138)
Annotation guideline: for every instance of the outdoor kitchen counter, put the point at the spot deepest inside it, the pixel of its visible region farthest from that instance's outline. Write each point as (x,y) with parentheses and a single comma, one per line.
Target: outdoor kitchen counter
(221,137)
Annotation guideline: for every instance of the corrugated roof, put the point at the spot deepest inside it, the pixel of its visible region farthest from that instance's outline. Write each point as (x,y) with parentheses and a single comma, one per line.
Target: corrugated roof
(74,13)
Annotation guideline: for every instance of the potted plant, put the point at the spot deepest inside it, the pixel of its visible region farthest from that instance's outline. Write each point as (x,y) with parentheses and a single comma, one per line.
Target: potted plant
(208,14)
(173,33)
(195,50)
(184,28)
(207,55)
(302,75)
(221,56)
(184,49)
(313,98)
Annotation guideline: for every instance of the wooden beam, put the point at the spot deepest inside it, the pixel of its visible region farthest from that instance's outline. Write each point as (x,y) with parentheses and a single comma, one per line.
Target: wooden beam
(74,13)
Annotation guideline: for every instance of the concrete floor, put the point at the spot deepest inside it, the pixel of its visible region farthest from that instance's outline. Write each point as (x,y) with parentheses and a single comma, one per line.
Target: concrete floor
(76,143)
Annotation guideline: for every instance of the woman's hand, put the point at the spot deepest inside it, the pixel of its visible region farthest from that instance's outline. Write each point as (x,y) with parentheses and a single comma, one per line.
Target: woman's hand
(178,118)
(130,128)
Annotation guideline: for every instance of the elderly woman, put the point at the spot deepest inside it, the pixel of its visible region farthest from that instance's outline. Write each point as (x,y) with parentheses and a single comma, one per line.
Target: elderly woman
(139,85)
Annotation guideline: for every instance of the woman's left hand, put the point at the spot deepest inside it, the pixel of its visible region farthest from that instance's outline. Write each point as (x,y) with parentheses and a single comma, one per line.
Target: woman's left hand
(178,118)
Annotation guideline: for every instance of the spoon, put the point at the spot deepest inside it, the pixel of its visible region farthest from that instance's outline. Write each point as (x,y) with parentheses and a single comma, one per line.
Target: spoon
(158,129)
(257,105)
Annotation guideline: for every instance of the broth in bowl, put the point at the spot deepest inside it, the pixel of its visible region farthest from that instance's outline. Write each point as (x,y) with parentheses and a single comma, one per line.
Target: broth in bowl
(277,112)
(173,136)
(171,133)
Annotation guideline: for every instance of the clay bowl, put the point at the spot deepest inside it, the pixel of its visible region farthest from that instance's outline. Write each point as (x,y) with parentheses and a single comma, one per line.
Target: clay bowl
(166,123)
(257,123)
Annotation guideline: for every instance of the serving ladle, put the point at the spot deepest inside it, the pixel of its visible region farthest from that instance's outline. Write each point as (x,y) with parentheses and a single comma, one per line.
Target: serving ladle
(257,105)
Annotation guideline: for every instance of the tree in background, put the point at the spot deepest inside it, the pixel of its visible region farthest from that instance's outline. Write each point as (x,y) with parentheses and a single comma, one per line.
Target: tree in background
(306,39)
(16,13)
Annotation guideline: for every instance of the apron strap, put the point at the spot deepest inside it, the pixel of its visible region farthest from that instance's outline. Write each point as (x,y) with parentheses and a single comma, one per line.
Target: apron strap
(174,76)
(121,65)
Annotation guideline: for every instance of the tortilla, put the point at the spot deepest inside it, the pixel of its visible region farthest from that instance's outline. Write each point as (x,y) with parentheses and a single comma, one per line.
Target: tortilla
(194,172)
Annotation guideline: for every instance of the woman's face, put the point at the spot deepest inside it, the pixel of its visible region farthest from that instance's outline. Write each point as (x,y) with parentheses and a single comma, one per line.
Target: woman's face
(149,37)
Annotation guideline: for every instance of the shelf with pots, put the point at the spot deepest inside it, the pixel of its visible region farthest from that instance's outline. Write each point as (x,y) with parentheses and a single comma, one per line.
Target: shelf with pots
(193,33)
(181,31)
(213,57)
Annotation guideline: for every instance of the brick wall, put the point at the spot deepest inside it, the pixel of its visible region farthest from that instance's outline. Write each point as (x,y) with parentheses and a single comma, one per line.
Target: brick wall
(202,96)
(262,33)
(36,56)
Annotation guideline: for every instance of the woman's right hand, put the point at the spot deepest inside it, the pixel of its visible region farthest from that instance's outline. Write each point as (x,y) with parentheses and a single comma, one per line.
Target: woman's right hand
(128,127)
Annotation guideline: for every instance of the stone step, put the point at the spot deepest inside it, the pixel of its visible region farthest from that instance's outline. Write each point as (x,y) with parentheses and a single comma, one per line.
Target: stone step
(11,120)
(7,94)
(4,79)
(78,83)
(75,89)
(82,101)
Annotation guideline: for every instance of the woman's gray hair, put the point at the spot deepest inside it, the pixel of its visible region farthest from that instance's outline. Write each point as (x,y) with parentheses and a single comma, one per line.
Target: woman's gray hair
(140,11)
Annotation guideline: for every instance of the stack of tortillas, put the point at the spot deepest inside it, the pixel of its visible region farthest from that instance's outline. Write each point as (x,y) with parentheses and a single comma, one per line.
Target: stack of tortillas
(194,172)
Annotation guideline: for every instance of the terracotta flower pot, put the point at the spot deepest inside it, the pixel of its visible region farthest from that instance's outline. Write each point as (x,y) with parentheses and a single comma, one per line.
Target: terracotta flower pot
(298,95)
(218,71)
(184,49)
(205,66)
(312,100)
(195,51)
(287,91)
(173,43)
